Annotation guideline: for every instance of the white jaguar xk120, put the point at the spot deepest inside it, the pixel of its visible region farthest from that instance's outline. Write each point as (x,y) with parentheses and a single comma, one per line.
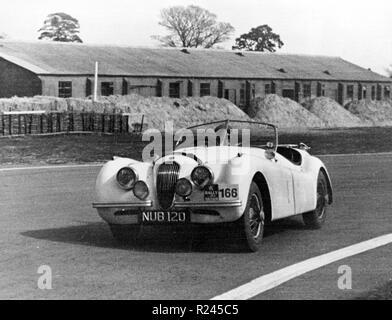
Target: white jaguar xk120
(227,183)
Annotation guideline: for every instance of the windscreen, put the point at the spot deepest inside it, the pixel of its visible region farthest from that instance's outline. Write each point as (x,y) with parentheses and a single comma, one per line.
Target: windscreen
(233,132)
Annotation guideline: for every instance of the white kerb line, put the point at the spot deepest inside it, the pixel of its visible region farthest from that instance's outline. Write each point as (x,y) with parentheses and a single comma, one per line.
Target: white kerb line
(276,278)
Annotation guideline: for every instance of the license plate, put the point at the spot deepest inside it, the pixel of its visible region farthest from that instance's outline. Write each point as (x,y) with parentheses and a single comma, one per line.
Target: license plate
(158,217)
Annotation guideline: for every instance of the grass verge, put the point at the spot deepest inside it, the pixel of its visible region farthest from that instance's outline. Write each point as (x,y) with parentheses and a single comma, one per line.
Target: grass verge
(85,148)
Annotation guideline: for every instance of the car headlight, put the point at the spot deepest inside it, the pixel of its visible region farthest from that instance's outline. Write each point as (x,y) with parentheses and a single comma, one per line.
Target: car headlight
(183,187)
(202,176)
(126,178)
(140,190)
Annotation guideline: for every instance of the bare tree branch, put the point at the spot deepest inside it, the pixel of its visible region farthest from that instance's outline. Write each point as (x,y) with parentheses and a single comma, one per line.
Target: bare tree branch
(192,26)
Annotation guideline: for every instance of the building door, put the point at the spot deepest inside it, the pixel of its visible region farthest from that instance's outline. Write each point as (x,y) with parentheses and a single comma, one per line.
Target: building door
(288,93)
(230,94)
(319,92)
(297,90)
(360,90)
(340,93)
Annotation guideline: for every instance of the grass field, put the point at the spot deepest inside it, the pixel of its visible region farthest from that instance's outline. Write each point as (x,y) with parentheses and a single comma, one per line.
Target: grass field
(84,148)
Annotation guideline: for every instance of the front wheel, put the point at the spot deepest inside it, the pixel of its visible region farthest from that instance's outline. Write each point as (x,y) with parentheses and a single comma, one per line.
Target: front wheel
(125,234)
(316,218)
(251,224)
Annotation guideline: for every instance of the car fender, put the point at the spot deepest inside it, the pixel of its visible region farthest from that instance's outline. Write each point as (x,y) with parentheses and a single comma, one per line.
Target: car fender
(314,166)
(106,186)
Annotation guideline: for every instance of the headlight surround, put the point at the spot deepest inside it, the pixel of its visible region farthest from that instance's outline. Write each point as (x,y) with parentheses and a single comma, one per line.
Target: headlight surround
(140,190)
(202,176)
(183,187)
(126,178)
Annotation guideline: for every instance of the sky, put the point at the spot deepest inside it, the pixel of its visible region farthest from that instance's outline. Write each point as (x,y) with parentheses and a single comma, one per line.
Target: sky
(357,30)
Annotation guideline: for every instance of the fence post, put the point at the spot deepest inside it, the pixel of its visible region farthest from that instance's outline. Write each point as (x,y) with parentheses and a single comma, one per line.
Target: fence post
(10,125)
(126,123)
(30,122)
(58,122)
(19,124)
(141,125)
(92,118)
(120,124)
(40,124)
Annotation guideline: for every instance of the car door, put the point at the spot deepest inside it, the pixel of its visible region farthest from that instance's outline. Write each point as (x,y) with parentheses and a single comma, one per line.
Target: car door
(302,183)
(280,182)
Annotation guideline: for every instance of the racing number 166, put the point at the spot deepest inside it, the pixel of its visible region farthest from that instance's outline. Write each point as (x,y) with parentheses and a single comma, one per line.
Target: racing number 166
(228,193)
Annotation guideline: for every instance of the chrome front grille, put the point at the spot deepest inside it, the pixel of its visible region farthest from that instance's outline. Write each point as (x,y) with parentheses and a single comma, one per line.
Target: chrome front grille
(166,183)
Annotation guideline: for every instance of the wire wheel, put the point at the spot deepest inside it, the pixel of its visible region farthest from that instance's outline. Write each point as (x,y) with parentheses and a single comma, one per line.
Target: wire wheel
(322,195)
(251,224)
(316,218)
(256,216)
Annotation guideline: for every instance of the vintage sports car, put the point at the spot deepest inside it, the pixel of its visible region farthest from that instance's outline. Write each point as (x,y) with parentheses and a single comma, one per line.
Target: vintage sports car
(245,186)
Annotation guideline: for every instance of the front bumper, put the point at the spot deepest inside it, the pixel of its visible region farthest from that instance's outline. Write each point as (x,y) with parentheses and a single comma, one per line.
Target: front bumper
(229,210)
(123,205)
(182,205)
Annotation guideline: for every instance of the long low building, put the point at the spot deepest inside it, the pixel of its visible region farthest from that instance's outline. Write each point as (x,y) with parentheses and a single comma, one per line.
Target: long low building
(67,70)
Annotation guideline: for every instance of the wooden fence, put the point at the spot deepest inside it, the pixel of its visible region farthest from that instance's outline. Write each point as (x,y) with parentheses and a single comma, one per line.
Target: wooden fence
(37,122)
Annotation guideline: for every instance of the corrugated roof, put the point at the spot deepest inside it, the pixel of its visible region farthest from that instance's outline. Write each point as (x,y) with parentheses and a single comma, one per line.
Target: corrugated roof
(74,59)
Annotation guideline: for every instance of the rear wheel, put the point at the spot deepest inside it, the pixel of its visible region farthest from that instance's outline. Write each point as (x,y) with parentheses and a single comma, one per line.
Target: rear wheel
(316,218)
(125,233)
(251,224)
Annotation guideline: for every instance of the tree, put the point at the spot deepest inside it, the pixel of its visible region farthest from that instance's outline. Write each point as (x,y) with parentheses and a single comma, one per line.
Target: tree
(192,26)
(60,27)
(260,38)
(3,36)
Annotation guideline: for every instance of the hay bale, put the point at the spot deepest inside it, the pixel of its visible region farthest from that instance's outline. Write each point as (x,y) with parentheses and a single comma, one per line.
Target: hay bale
(333,114)
(378,113)
(284,113)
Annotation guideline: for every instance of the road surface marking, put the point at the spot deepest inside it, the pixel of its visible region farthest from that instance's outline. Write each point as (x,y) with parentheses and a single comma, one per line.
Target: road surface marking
(276,278)
(54,167)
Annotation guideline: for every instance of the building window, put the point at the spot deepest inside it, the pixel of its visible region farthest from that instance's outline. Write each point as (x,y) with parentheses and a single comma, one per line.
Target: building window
(373,92)
(107,88)
(65,89)
(205,89)
(268,88)
(174,89)
(307,88)
(253,91)
(242,95)
(320,89)
(364,92)
(387,92)
(350,92)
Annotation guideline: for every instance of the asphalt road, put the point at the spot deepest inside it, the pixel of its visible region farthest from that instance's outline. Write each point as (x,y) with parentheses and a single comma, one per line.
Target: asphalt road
(46,218)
